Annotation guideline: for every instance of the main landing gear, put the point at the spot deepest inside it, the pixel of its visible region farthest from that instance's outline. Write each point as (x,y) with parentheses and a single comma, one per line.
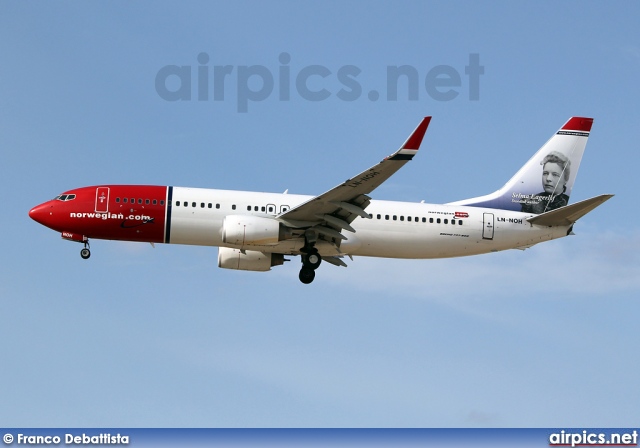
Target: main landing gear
(310,262)
(85,253)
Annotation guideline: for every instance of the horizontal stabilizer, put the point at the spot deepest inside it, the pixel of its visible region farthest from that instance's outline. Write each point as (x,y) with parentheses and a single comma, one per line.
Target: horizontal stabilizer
(569,214)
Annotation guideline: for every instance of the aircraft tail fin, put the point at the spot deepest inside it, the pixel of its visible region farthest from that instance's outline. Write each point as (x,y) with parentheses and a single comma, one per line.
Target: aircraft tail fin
(566,216)
(556,163)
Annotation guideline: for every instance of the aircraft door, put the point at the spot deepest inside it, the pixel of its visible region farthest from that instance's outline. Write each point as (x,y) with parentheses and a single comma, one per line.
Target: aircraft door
(487,228)
(102,199)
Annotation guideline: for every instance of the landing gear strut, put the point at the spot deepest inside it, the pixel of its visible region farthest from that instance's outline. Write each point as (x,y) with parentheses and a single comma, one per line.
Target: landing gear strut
(85,253)
(310,262)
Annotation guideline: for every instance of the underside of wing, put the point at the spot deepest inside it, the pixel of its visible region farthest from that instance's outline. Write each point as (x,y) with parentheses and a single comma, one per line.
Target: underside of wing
(332,212)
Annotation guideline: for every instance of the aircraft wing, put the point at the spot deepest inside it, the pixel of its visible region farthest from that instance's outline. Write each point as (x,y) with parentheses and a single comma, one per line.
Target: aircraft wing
(333,211)
(569,214)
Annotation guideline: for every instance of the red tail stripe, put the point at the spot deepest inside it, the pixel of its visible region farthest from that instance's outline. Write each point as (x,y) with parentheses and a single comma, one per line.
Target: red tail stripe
(578,124)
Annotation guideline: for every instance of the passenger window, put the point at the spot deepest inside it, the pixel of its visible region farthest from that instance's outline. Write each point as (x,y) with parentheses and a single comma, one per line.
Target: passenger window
(395,217)
(209,205)
(386,217)
(217,205)
(233,207)
(424,219)
(255,209)
(446,221)
(430,220)
(460,222)
(262,208)
(202,205)
(155,202)
(409,218)
(270,209)
(133,200)
(438,220)
(125,200)
(117,199)
(177,203)
(378,216)
(248,208)
(193,204)
(162,202)
(139,201)
(402,218)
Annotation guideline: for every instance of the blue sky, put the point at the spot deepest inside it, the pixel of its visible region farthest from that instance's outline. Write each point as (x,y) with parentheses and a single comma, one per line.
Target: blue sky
(139,337)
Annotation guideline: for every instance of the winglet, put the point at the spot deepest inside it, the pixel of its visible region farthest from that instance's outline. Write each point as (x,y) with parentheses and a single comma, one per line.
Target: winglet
(409,148)
(415,139)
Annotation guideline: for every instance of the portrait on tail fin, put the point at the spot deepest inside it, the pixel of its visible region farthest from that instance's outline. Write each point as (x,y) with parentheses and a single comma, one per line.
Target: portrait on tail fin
(556,168)
(556,162)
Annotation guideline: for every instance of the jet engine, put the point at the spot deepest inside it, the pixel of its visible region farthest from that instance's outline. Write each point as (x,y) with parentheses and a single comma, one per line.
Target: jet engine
(253,231)
(247,260)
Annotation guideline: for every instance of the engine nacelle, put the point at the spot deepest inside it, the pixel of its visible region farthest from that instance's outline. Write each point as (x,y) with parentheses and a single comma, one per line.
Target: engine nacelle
(252,230)
(248,260)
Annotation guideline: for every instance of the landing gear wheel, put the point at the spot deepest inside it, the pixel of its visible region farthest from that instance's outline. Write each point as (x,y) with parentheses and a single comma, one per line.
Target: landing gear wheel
(312,260)
(307,275)
(85,253)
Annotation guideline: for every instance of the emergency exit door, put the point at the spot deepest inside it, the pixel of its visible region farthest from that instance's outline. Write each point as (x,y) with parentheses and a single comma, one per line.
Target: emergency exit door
(487,229)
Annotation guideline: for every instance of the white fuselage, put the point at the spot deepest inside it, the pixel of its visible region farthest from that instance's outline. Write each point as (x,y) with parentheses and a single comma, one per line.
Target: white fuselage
(395,230)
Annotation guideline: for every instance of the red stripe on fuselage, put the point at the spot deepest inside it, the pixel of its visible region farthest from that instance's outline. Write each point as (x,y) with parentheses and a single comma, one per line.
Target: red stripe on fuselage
(137,219)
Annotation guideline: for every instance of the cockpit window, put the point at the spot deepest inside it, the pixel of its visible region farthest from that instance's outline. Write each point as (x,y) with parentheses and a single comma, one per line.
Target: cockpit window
(65,197)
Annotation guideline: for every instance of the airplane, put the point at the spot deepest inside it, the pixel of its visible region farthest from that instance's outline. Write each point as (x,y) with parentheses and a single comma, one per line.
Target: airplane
(255,231)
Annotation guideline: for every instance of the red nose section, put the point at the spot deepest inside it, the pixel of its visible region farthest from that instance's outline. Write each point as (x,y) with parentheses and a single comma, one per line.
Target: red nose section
(42,214)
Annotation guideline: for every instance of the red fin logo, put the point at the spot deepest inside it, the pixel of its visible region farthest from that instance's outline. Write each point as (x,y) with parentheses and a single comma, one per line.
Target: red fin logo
(462,215)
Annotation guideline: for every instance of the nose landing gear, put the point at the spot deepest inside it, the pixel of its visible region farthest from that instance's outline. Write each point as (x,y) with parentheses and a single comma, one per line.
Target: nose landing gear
(85,252)
(78,238)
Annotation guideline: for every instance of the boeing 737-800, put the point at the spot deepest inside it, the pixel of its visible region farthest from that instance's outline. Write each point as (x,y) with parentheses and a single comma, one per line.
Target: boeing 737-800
(256,231)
